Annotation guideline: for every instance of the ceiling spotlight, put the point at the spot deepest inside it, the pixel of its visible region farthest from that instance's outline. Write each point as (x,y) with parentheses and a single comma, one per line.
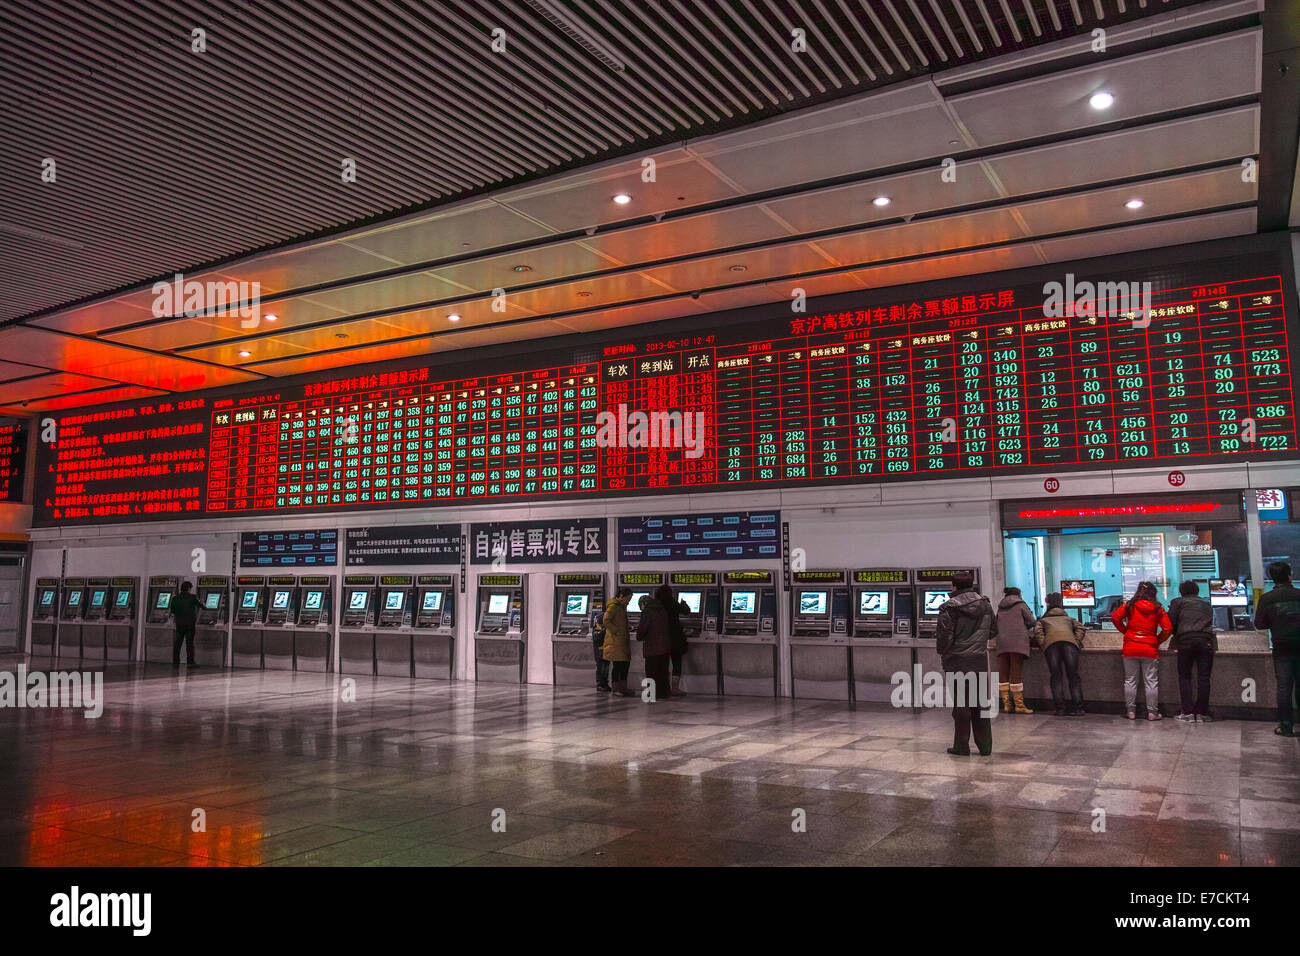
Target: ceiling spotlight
(340,335)
(881,201)
(584,295)
(622,199)
(738,268)
(454,317)
(270,316)
(1101,100)
(523,268)
(244,354)
(1134,204)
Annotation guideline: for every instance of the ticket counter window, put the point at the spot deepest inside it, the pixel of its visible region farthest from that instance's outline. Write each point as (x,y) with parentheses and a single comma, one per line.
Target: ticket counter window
(1096,570)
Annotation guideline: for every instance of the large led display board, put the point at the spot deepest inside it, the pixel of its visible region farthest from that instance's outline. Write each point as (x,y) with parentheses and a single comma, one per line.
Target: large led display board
(988,381)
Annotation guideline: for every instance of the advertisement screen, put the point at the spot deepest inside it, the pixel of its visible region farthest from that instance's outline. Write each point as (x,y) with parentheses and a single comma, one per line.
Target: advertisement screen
(812,602)
(1228,592)
(1078,593)
(744,602)
(875,603)
(498,603)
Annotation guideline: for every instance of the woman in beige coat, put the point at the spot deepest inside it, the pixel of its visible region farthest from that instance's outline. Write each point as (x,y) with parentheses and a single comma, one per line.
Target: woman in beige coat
(617,648)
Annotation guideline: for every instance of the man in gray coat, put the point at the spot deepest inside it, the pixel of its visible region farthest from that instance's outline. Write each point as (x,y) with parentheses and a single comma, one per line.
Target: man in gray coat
(965,625)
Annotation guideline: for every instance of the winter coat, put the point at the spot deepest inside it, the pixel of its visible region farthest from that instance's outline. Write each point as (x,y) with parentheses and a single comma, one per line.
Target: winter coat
(184,608)
(1015,622)
(1145,630)
(1193,620)
(618,644)
(654,631)
(675,630)
(1055,626)
(1278,612)
(965,624)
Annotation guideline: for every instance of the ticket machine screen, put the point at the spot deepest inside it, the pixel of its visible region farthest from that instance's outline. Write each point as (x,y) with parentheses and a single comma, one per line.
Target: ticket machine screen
(358,600)
(576,603)
(249,599)
(812,602)
(74,598)
(934,600)
(212,600)
(744,602)
(164,600)
(313,600)
(47,598)
(634,603)
(280,601)
(123,598)
(691,599)
(432,601)
(393,600)
(875,603)
(498,603)
(97,598)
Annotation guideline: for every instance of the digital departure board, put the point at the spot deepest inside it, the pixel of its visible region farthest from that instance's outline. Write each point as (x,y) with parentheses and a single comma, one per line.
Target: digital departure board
(918,386)
(13,458)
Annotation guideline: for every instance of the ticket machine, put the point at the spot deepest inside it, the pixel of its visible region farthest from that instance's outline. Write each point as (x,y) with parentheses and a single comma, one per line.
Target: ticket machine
(820,656)
(932,587)
(748,631)
(702,621)
(433,645)
(643,584)
(214,613)
(357,624)
(119,619)
(881,601)
(576,594)
(394,616)
(93,613)
(45,609)
(70,617)
(159,631)
(249,612)
(500,636)
(313,626)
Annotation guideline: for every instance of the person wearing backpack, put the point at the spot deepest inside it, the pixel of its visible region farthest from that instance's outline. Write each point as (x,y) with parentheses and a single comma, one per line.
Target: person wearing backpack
(1145,626)
(1194,639)
(966,623)
(1015,623)
(597,621)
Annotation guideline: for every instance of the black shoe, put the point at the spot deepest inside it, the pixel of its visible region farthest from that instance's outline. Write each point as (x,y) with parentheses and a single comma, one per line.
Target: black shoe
(1283,730)
(986,753)
(603,688)
(958,753)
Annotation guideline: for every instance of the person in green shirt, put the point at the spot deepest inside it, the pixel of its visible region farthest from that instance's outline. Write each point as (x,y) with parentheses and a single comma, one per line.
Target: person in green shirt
(185,612)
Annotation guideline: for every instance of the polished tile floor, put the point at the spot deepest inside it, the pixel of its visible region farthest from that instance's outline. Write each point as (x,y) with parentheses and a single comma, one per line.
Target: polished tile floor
(272,768)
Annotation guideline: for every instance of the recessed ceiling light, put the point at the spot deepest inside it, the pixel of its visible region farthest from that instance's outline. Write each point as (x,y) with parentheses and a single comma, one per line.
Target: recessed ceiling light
(454,317)
(584,295)
(243,354)
(739,268)
(522,268)
(881,201)
(1101,100)
(270,316)
(340,335)
(622,199)
(1134,204)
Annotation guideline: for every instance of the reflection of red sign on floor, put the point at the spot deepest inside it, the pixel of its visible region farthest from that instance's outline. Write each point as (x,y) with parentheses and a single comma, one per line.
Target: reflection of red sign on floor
(1177,478)
(1051,485)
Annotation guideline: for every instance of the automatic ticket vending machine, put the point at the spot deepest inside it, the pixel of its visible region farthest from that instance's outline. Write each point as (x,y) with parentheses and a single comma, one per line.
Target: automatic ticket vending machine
(159,629)
(882,604)
(249,614)
(820,655)
(932,587)
(120,619)
(643,584)
(45,611)
(394,624)
(500,628)
(211,630)
(70,614)
(357,617)
(93,614)
(573,658)
(699,602)
(433,644)
(313,632)
(749,649)
(281,619)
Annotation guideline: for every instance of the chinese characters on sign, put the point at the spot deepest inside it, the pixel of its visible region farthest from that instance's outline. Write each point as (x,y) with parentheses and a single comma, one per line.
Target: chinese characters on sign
(288,549)
(423,544)
(539,542)
(13,458)
(699,537)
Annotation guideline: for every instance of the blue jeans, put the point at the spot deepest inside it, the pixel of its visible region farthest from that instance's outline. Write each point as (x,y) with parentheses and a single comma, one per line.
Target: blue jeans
(1287,670)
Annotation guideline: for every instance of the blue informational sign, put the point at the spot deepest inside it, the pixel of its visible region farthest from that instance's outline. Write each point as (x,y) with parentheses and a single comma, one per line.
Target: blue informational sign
(700,537)
(288,549)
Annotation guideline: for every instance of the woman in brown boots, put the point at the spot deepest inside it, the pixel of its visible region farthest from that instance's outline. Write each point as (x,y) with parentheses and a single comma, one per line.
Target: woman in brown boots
(618,642)
(1015,623)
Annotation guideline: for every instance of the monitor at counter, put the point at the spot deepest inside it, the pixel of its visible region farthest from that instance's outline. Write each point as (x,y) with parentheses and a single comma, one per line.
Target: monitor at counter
(358,600)
(164,600)
(97,598)
(932,600)
(743,602)
(394,600)
(249,599)
(280,601)
(212,600)
(1228,592)
(691,599)
(432,601)
(810,602)
(498,603)
(873,603)
(576,603)
(313,600)
(123,598)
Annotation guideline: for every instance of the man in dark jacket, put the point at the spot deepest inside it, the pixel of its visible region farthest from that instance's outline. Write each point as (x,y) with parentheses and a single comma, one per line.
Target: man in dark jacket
(184,610)
(1278,612)
(965,625)
(654,632)
(1193,621)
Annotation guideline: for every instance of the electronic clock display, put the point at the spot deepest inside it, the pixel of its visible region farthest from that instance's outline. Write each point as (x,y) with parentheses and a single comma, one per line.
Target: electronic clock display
(986,382)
